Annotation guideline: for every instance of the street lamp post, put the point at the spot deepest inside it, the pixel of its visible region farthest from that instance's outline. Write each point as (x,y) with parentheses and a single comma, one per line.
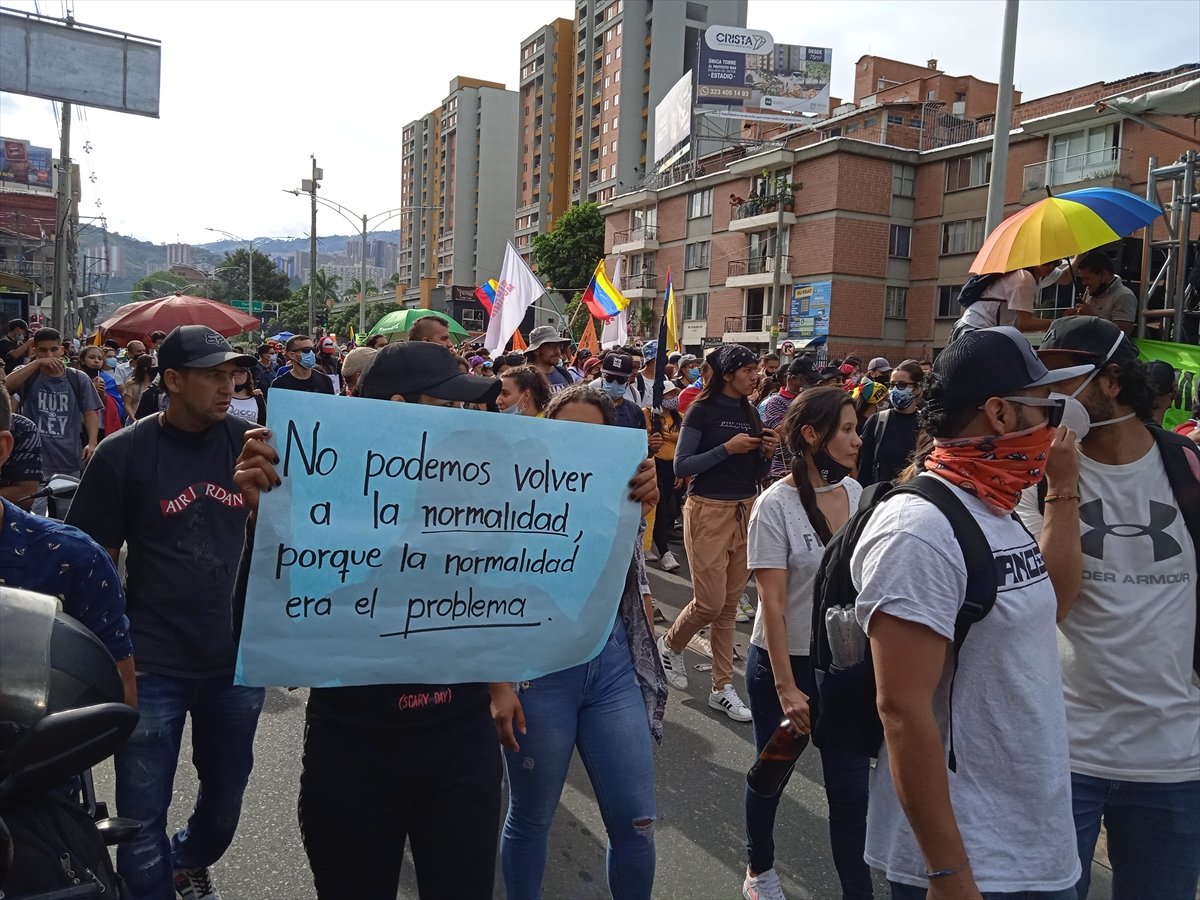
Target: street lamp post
(362,222)
(250,250)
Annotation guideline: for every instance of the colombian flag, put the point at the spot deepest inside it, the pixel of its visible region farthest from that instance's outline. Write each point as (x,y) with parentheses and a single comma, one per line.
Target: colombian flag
(604,300)
(486,294)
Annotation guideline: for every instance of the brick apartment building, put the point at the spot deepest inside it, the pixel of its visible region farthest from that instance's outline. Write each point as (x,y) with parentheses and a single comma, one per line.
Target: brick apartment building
(879,209)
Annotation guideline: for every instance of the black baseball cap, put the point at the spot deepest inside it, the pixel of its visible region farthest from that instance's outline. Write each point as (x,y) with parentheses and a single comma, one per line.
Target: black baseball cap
(419,367)
(197,347)
(1085,339)
(826,372)
(617,364)
(801,367)
(991,362)
(17,323)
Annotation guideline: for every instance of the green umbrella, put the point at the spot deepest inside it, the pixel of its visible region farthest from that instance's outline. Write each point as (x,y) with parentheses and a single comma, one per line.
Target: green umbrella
(402,320)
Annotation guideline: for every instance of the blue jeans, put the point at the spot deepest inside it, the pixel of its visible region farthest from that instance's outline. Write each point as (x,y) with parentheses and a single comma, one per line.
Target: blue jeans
(597,708)
(908,892)
(224,718)
(846,777)
(1153,835)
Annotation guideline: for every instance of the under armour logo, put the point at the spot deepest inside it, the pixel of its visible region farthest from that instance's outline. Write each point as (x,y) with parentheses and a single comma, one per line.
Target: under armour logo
(1161,518)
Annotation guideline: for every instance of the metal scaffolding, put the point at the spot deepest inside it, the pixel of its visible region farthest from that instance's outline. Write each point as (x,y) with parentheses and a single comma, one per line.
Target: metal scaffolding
(1176,190)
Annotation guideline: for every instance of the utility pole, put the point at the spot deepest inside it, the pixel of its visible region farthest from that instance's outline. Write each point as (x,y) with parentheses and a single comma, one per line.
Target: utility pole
(362,281)
(62,213)
(310,187)
(1008,52)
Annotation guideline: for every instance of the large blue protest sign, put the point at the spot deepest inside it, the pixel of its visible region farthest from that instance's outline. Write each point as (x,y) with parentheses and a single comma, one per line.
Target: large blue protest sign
(430,545)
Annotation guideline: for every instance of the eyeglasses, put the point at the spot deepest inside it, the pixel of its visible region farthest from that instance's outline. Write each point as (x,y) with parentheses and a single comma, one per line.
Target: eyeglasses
(900,384)
(1054,407)
(617,379)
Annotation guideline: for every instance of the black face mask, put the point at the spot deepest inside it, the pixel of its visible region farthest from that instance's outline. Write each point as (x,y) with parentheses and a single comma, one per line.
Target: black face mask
(832,471)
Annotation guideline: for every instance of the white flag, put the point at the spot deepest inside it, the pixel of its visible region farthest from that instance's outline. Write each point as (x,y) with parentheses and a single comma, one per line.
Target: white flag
(516,290)
(616,329)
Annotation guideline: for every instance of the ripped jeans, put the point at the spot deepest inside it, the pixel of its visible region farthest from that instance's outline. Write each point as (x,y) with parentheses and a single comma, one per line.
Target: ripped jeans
(597,708)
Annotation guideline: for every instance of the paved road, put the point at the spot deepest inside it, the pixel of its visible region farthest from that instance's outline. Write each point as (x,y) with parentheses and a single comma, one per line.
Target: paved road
(699,833)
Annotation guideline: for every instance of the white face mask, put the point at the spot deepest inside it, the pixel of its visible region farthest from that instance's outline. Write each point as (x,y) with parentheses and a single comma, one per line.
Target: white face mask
(1075,414)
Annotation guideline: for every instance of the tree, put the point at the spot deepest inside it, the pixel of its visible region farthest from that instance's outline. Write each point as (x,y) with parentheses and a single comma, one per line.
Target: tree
(159,284)
(232,280)
(293,313)
(566,255)
(351,292)
(326,286)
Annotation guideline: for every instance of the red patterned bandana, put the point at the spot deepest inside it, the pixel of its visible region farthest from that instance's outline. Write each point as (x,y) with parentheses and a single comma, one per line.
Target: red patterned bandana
(997,468)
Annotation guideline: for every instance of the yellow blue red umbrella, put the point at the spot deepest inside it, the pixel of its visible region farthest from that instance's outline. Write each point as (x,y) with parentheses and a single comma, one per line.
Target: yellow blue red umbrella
(1059,227)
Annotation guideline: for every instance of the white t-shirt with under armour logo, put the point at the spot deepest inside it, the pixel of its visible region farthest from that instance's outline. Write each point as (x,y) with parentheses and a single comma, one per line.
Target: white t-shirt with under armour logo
(1133,711)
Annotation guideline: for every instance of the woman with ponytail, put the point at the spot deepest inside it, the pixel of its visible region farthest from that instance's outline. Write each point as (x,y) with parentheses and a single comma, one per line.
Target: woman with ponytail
(789,527)
(725,450)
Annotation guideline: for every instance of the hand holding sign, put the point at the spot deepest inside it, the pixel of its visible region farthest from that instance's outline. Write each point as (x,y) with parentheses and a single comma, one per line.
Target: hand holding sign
(421,544)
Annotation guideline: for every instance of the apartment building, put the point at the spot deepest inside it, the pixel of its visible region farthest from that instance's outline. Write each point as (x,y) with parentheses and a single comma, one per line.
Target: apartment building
(857,231)
(457,166)
(544,155)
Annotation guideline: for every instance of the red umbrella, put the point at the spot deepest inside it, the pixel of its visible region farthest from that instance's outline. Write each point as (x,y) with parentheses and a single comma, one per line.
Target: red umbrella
(137,321)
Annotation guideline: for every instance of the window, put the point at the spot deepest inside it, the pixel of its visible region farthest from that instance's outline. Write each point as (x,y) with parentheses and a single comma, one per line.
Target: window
(472,319)
(700,204)
(695,255)
(616,100)
(969,171)
(963,236)
(1082,155)
(904,178)
(618,53)
(607,81)
(894,119)
(900,241)
(695,307)
(947,303)
(615,120)
(895,304)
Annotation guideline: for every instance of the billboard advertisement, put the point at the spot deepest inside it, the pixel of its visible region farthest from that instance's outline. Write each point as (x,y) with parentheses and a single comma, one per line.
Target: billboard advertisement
(673,123)
(22,163)
(808,316)
(742,67)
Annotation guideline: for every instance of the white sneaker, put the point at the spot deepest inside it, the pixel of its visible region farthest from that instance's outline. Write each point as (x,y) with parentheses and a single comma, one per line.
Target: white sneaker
(731,704)
(651,555)
(195,884)
(673,665)
(745,610)
(765,886)
(669,562)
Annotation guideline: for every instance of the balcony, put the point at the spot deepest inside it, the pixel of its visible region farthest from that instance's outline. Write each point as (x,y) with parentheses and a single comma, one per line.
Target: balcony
(636,240)
(640,287)
(751,329)
(27,268)
(1096,168)
(757,271)
(761,213)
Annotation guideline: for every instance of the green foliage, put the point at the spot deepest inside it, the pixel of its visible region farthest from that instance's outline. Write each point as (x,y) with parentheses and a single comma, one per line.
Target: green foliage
(566,255)
(293,313)
(351,292)
(232,279)
(159,284)
(327,286)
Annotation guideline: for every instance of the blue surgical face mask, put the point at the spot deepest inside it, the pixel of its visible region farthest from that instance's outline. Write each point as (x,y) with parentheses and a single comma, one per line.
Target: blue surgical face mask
(308,359)
(900,397)
(693,374)
(513,410)
(615,390)
(111,362)
(273,358)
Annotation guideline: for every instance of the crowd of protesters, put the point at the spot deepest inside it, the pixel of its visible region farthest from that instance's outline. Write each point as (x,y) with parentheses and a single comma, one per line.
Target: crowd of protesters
(1073,704)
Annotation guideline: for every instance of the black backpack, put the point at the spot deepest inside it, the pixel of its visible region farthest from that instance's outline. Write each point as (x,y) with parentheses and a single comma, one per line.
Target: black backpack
(973,290)
(57,853)
(847,716)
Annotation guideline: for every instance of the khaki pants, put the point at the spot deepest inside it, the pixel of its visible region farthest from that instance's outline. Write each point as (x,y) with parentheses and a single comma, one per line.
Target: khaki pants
(714,535)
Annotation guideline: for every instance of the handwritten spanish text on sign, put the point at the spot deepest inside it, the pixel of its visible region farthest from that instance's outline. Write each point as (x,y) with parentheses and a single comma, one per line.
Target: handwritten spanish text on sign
(422,544)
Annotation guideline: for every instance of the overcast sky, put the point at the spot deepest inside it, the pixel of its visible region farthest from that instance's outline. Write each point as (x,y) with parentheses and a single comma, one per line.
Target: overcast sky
(251,88)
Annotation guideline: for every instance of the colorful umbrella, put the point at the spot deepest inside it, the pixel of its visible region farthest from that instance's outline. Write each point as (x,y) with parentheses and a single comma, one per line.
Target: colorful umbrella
(1060,227)
(402,320)
(137,321)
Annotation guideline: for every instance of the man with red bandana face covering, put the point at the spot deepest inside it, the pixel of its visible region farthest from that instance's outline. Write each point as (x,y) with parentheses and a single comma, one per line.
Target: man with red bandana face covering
(989,432)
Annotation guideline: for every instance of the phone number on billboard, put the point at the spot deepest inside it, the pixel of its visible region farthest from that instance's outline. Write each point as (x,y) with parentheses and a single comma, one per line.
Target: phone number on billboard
(729,93)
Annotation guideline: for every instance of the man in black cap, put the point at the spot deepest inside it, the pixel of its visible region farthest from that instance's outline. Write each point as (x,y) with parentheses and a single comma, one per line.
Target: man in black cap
(994,433)
(15,345)
(423,372)
(800,375)
(1129,640)
(616,371)
(165,488)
